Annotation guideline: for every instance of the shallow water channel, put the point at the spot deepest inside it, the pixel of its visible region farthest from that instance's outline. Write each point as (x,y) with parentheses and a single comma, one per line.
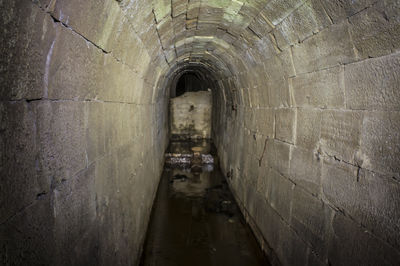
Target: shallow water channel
(195,219)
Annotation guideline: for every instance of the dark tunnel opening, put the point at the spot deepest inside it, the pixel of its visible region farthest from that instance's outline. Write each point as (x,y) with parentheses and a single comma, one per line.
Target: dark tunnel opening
(189,82)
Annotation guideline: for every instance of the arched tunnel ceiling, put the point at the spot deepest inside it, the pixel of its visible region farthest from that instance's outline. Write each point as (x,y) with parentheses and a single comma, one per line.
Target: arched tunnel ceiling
(214,32)
(232,37)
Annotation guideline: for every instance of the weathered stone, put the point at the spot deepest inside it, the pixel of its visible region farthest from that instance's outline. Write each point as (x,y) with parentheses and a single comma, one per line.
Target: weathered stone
(279,191)
(24,68)
(178,7)
(260,26)
(193,9)
(61,139)
(309,18)
(340,134)
(380,138)
(367,197)
(317,52)
(276,10)
(19,159)
(305,169)
(353,245)
(375,31)
(373,84)
(277,86)
(97,28)
(278,156)
(75,219)
(28,236)
(308,128)
(311,220)
(266,122)
(322,89)
(340,10)
(285,123)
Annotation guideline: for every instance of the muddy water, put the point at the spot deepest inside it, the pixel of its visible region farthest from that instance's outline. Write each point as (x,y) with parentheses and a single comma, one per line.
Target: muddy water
(195,220)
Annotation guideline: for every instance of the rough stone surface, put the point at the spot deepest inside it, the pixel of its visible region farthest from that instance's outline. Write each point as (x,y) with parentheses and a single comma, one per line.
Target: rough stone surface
(362,79)
(305,169)
(305,117)
(323,89)
(73,146)
(285,124)
(367,197)
(340,134)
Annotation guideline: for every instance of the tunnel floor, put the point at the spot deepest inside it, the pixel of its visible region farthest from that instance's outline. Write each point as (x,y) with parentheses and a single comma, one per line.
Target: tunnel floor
(195,219)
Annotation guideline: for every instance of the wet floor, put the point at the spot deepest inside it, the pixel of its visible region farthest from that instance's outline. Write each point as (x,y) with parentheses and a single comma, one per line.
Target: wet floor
(195,220)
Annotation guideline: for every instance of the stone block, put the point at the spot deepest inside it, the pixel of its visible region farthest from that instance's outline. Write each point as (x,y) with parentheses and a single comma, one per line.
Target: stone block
(278,10)
(95,131)
(165,32)
(305,169)
(75,228)
(285,57)
(193,9)
(322,89)
(27,36)
(303,22)
(279,193)
(178,7)
(179,27)
(291,250)
(276,83)
(61,139)
(265,121)
(380,143)
(341,133)
(278,156)
(127,47)
(308,128)
(330,47)
(373,84)
(285,123)
(260,26)
(372,200)
(21,177)
(97,28)
(162,9)
(28,237)
(341,10)
(353,245)
(268,221)
(73,55)
(375,31)
(131,88)
(311,220)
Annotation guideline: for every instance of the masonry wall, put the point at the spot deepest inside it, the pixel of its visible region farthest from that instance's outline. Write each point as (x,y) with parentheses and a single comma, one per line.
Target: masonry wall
(79,163)
(311,145)
(306,119)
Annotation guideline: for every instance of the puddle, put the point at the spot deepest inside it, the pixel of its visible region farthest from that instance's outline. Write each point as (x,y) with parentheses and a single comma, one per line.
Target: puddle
(195,220)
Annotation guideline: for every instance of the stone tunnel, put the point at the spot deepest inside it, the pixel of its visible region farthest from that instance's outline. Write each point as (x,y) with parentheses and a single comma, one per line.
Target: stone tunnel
(305,119)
